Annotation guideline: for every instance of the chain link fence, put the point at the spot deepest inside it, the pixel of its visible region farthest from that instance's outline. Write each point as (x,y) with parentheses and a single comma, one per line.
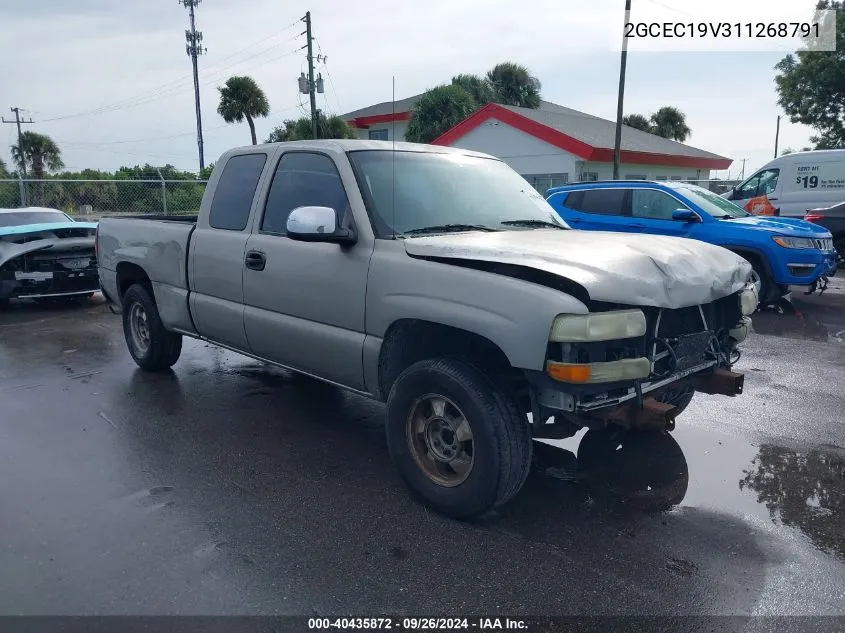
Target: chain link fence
(97,198)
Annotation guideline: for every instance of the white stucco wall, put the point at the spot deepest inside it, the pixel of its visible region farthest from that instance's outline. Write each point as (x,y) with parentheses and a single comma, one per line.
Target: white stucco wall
(524,153)
(651,172)
(530,155)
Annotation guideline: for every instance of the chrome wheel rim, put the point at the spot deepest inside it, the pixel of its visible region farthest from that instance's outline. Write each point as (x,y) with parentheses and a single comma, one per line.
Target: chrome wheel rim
(139,328)
(440,439)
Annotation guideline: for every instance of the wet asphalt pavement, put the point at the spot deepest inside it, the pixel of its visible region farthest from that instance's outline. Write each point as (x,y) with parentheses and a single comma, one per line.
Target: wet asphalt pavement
(230,487)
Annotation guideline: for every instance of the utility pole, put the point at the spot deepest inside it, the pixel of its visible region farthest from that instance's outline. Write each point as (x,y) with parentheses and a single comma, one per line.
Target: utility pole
(194,49)
(777,134)
(311,85)
(18,122)
(742,173)
(617,144)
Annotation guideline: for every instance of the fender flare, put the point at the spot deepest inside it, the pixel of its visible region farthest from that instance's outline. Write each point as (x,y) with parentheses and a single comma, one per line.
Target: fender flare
(755,252)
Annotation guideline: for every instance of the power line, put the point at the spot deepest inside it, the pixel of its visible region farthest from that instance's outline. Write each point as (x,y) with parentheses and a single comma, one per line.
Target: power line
(177,85)
(329,75)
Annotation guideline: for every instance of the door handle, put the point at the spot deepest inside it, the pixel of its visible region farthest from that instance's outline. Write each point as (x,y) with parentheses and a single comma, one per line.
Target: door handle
(255,260)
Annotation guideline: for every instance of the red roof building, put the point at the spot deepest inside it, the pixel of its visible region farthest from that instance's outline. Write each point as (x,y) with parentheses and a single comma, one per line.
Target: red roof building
(551,145)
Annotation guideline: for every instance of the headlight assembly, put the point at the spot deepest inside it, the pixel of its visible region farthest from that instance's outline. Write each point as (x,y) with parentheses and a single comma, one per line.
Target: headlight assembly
(601,326)
(794,242)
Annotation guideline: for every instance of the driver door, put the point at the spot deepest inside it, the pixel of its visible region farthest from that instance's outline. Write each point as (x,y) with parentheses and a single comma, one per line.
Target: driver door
(304,305)
(651,211)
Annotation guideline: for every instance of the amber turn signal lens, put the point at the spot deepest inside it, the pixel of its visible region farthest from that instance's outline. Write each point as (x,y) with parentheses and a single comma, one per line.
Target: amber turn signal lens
(569,373)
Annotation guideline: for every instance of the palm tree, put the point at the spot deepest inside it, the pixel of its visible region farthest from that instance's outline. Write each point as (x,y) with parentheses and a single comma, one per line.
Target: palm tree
(439,109)
(669,122)
(4,172)
(327,127)
(637,121)
(38,152)
(514,85)
(241,98)
(478,88)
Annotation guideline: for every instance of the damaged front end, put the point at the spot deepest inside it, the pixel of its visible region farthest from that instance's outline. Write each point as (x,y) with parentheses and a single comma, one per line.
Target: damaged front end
(638,367)
(48,263)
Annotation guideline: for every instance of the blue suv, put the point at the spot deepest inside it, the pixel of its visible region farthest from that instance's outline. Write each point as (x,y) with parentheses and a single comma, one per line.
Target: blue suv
(783,251)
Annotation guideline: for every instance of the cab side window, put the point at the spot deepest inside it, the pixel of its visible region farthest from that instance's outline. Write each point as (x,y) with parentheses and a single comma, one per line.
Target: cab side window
(653,204)
(761,184)
(303,179)
(598,201)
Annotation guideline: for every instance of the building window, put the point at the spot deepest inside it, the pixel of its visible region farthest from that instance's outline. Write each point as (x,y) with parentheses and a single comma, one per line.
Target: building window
(589,176)
(634,177)
(543,182)
(378,135)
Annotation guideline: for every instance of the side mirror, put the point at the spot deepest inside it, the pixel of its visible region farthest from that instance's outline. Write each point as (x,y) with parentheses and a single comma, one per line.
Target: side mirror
(317,224)
(685,215)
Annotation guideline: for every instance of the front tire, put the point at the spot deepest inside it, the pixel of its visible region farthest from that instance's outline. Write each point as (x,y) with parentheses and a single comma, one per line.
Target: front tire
(458,440)
(153,348)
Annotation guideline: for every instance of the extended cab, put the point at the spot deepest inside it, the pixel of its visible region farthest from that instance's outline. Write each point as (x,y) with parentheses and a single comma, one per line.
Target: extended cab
(438,281)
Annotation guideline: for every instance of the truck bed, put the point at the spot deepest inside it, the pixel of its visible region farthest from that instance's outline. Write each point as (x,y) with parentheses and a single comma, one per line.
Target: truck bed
(159,245)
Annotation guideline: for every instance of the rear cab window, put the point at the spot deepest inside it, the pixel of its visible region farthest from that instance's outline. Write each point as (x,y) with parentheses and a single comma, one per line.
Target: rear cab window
(610,201)
(235,191)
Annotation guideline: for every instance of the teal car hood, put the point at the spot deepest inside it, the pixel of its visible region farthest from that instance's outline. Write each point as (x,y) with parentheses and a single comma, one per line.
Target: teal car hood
(23,229)
(792,227)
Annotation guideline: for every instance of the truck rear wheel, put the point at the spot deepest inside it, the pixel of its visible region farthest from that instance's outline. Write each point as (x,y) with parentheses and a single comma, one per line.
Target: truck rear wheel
(458,440)
(152,346)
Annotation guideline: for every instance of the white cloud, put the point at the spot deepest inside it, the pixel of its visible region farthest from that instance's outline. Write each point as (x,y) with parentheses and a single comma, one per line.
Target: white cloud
(104,53)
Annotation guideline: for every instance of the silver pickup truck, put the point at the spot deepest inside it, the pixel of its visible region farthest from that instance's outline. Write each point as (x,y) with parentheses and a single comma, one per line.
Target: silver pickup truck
(438,281)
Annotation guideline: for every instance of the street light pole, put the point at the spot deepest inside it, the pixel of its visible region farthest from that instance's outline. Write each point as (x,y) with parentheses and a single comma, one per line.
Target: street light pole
(617,144)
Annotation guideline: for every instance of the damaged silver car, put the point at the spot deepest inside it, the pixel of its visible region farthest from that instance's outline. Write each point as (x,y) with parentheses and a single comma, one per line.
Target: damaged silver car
(46,255)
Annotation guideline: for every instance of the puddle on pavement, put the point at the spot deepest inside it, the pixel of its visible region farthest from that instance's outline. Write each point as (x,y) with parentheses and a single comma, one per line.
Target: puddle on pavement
(802,491)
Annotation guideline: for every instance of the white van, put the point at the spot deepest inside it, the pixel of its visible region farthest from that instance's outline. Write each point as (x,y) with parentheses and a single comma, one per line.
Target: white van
(791,184)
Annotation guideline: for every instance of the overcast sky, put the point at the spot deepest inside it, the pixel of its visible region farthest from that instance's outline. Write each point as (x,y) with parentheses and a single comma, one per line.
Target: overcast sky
(110,81)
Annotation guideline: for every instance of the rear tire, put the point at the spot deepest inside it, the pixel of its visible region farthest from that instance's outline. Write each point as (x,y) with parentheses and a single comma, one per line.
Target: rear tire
(152,347)
(457,439)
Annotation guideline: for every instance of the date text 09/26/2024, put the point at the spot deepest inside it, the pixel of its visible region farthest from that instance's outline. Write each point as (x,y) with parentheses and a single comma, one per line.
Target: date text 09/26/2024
(418,624)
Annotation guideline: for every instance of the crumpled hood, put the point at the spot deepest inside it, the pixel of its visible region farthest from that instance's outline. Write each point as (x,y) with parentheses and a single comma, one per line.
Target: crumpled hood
(645,270)
(792,227)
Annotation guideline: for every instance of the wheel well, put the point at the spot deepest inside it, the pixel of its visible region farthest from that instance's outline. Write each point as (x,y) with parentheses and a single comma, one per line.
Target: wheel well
(753,257)
(410,340)
(129,274)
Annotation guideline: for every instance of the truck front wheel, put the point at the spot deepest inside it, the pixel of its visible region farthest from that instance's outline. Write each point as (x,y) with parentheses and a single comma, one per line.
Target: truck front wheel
(152,347)
(458,440)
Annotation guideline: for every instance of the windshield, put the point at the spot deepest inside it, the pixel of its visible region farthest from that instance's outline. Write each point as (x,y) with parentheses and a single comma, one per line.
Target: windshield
(451,191)
(713,204)
(21,218)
